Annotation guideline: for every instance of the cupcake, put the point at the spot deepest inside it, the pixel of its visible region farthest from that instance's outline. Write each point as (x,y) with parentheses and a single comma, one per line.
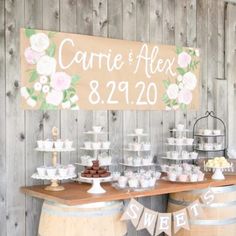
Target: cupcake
(193,177)
(172,176)
(183,178)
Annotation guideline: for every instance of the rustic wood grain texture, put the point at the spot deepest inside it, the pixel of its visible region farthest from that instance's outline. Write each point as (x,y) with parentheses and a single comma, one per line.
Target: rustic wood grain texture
(115,118)
(69,119)
(3,179)
(15,125)
(231,71)
(200,24)
(129,117)
(76,193)
(33,131)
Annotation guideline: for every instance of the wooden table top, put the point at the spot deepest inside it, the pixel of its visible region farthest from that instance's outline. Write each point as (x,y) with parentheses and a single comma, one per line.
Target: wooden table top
(76,193)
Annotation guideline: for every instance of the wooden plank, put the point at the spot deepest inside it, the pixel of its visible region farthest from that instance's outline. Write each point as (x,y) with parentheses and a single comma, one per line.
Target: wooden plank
(231,71)
(100,28)
(180,40)
(156,122)
(84,26)
(50,22)
(77,193)
(129,117)
(202,38)
(212,55)
(3,180)
(15,123)
(33,131)
(191,42)
(69,118)
(115,30)
(143,117)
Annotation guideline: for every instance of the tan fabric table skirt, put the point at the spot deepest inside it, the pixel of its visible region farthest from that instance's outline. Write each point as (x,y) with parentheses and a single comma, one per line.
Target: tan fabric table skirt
(96,219)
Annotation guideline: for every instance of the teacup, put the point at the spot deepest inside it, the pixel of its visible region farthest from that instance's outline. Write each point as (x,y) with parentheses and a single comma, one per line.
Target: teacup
(137,161)
(218,146)
(71,169)
(152,182)
(58,144)
(96,145)
(172,176)
(180,127)
(63,171)
(51,172)
(48,144)
(87,145)
(133,183)
(116,175)
(175,155)
(130,161)
(138,131)
(193,177)
(68,144)
(171,141)
(179,141)
(106,145)
(216,131)
(207,132)
(122,181)
(41,171)
(208,146)
(185,155)
(189,141)
(40,144)
(157,174)
(144,183)
(201,146)
(146,161)
(168,154)
(193,155)
(97,129)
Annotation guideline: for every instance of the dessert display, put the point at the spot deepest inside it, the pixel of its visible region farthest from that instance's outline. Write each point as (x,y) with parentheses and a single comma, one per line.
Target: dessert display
(185,172)
(137,181)
(104,160)
(55,172)
(95,171)
(178,145)
(218,165)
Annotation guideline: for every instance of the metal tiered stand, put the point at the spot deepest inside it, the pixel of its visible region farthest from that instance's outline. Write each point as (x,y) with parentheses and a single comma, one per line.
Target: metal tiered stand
(201,138)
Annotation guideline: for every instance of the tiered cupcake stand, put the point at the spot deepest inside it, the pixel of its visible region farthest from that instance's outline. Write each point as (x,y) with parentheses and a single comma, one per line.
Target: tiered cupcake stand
(137,152)
(96,182)
(55,186)
(175,150)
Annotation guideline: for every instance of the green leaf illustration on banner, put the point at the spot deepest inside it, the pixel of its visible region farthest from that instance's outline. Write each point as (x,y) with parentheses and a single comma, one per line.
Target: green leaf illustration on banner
(179,50)
(33,76)
(180,70)
(29,32)
(51,50)
(166,83)
(75,79)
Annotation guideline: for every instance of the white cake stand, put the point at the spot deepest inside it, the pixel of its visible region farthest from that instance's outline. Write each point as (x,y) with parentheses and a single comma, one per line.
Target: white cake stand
(218,172)
(96,183)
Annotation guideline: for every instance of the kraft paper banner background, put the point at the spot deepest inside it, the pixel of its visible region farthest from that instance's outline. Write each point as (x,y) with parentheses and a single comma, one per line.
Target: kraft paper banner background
(133,212)
(148,220)
(164,222)
(180,220)
(72,71)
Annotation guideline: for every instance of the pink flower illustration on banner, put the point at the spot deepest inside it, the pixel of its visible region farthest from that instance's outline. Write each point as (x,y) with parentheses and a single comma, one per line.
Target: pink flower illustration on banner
(60,81)
(54,97)
(32,56)
(185,96)
(184,59)
(172,91)
(189,81)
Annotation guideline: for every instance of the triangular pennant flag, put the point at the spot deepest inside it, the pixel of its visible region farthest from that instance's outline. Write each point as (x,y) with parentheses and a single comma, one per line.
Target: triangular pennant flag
(195,209)
(208,197)
(133,212)
(148,220)
(180,220)
(163,224)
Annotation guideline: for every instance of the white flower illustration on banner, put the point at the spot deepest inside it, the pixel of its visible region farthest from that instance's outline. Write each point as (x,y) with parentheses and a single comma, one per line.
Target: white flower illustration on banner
(54,97)
(47,88)
(172,91)
(189,81)
(184,59)
(39,42)
(179,93)
(46,65)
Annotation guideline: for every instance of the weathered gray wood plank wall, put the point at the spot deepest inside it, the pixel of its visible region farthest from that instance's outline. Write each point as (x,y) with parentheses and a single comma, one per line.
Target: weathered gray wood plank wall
(193,23)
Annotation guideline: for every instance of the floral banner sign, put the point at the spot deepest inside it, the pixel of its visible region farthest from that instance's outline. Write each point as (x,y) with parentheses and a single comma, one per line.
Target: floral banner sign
(71,71)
